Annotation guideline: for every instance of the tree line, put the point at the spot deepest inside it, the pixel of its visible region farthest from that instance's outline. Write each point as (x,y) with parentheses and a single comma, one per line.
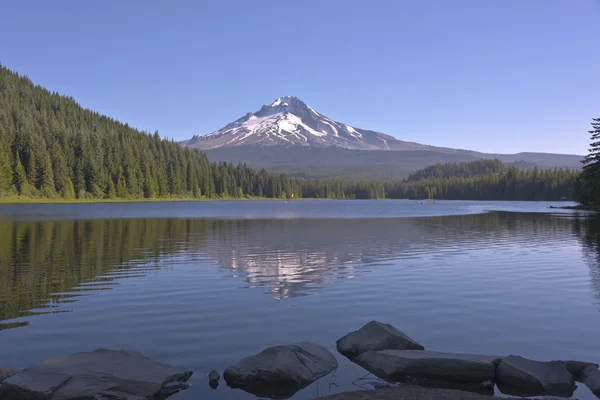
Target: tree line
(485,180)
(51,147)
(587,185)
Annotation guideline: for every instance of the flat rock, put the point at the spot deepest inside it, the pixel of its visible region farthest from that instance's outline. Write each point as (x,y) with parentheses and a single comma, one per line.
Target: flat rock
(375,336)
(280,371)
(397,365)
(6,373)
(591,379)
(552,378)
(100,374)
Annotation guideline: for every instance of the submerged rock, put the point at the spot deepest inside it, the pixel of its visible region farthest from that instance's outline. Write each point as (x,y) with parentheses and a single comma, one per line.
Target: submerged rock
(6,373)
(213,379)
(280,371)
(399,365)
(100,374)
(535,377)
(407,392)
(375,336)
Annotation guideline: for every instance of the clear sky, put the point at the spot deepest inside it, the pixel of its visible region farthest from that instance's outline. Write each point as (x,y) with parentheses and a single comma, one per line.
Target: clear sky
(488,75)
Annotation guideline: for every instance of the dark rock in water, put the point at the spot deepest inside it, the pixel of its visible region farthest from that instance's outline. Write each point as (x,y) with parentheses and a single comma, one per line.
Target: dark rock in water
(552,378)
(100,374)
(280,371)
(6,373)
(576,368)
(213,379)
(591,379)
(375,336)
(465,371)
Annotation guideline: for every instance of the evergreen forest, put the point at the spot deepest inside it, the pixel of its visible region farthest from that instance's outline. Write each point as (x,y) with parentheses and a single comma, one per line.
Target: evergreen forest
(52,148)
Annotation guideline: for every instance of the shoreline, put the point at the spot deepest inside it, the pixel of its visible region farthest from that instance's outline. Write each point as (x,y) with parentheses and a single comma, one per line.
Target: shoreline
(37,200)
(26,200)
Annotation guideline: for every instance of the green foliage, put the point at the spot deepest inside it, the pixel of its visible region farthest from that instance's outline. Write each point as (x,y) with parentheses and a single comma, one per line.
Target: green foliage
(20,178)
(46,178)
(484,180)
(459,170)
(68,190)
(50,146)
(6,170)
(366,165)
(587,186)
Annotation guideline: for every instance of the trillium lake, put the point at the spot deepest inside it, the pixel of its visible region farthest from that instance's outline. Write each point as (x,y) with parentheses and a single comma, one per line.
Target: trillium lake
(201,285)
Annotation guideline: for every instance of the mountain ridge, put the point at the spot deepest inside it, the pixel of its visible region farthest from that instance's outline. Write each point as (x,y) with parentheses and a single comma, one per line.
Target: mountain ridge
(288,121)
(289,136)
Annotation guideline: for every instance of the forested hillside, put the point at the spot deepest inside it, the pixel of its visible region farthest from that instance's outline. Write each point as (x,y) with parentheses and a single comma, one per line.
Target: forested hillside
(381,165)
(485,180)
(459,170)
(51,147)
(475,180)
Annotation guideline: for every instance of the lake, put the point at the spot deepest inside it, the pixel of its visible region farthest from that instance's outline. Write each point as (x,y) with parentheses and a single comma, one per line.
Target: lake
(202,284)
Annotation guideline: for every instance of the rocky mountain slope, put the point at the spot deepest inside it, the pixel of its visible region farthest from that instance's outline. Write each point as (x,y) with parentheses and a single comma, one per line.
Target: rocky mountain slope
(288,121)
(290,136)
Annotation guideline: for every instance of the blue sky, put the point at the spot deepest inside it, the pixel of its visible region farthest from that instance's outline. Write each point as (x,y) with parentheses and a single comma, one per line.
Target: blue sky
(488,75)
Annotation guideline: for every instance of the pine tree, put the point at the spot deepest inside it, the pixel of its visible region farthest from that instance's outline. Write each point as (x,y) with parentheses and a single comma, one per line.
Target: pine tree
(592,160)
(587,185)
(6,170)
(47,187)
(111,191)
(20,178)
(68,190)
(122,191)
(32,168)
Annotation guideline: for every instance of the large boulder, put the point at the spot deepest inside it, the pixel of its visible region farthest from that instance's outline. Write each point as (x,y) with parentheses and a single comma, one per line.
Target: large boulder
(552,378)
(577,368)
(6,373)
(398,365)
(591,379)
(375,336)
(280,371)
(100,374)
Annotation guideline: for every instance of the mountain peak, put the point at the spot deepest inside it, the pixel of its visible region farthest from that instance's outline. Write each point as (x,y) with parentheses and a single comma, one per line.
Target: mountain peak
(283,100)
(289,121)
(290,104)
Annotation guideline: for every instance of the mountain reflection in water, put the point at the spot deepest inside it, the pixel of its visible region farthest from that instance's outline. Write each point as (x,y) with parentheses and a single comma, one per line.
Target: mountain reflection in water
(47,264)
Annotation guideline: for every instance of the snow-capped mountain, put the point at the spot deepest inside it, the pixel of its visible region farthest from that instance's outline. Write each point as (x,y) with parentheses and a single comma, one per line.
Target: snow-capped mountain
(288,121)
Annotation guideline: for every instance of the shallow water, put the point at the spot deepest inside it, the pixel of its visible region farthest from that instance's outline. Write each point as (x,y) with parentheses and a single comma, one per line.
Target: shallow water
(201,285)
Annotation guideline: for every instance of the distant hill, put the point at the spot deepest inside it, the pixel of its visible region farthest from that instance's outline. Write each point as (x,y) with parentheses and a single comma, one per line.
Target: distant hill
(459,170)
(484,180)
(319,162)
(291,137)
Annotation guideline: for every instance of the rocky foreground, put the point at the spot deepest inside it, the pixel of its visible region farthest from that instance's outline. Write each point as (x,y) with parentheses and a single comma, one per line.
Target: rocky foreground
(101,374)
(280,371)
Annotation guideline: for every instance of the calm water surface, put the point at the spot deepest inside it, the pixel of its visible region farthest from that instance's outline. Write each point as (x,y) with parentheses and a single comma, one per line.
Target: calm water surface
(201,285)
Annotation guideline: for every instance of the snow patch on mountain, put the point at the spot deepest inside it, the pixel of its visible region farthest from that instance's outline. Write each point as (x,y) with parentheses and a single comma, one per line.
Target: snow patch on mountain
(289,121)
